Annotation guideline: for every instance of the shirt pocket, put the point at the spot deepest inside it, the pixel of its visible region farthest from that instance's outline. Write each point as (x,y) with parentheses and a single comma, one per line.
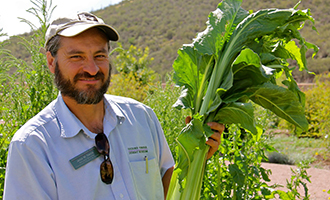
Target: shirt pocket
(147,180)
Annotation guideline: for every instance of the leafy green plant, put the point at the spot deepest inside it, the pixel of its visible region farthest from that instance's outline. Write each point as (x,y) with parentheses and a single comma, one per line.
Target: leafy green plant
(7,125)
(134,61)
(298,179)
(161,99)
(135,77)
(236,59)
(236,172)
(239,149)
(29,88)
(318,108)
(127,85)
(4,54)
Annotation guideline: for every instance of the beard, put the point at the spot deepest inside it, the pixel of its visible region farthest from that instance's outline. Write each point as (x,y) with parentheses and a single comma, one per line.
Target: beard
(91,95)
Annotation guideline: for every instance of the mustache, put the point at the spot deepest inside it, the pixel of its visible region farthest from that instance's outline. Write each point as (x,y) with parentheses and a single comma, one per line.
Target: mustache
(98,76)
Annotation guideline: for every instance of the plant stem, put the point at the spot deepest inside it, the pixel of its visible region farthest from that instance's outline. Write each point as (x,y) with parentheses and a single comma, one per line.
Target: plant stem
(195,175)
(219,176)
(199,98)
(210,90)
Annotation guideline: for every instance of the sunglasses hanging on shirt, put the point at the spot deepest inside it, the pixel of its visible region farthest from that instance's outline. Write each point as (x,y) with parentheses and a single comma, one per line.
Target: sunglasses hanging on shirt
(106,168)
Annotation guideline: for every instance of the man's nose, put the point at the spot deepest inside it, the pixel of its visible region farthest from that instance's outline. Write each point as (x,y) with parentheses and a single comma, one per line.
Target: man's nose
(91,66)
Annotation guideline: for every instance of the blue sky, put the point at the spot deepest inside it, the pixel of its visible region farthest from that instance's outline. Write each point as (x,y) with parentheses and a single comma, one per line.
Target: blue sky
(12,9)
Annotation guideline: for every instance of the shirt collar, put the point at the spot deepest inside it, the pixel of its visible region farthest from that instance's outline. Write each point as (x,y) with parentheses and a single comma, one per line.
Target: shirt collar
(113,115)
(114,109)
(70,125)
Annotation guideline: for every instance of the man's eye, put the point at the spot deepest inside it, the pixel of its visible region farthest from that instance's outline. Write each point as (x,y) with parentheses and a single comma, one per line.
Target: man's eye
(75,57)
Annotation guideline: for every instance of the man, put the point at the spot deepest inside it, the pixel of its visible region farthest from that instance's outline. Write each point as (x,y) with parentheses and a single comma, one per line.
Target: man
(85,144)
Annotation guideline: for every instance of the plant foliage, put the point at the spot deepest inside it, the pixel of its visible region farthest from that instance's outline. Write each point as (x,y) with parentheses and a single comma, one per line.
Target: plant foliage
(134,77)
(236,59)
(135,61)
(318,108)
(29,88)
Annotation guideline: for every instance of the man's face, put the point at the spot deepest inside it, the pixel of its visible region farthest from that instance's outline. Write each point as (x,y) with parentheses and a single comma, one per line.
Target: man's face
(82,68)
(91,95)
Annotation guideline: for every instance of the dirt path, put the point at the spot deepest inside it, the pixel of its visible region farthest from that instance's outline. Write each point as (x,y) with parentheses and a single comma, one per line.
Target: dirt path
(317,189)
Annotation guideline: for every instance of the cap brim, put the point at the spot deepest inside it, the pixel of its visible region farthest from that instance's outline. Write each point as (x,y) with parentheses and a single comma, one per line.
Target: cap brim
(79,28)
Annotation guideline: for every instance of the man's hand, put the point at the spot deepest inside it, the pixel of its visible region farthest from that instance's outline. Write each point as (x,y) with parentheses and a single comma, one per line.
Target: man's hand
(214,140)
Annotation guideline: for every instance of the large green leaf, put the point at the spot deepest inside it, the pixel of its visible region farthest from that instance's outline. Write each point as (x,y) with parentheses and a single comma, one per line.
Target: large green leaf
(191,154)
(248,71)
(190,139)
(189,71)
(275,22)
(237,113)
(220,25)
(281,101)
(237,174)
(212,41)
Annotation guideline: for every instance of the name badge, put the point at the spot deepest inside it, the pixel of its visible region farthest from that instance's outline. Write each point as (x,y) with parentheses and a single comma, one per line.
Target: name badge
(84,158)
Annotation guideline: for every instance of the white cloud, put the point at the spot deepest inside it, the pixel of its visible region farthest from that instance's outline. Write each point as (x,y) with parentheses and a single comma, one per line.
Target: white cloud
(12,9)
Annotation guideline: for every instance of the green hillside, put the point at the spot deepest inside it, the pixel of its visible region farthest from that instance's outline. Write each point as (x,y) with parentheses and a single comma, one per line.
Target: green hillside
(164,26)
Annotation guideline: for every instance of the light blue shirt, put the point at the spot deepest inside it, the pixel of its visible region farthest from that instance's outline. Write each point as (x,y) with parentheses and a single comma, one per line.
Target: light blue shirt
(39,167)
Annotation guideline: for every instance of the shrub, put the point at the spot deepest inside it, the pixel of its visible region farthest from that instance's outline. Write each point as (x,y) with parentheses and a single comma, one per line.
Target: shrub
(317,107)
(235,172)
(134,76)
(127,85)
(134,62)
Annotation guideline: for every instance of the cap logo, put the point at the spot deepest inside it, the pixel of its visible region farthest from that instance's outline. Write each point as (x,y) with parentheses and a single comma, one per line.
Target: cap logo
(87,17)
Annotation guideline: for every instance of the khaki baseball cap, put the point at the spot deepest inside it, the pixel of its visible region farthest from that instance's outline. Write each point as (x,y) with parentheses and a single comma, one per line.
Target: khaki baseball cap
(69,27)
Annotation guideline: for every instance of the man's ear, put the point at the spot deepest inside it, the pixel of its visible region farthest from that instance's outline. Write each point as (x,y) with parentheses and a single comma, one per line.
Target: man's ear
(50,62)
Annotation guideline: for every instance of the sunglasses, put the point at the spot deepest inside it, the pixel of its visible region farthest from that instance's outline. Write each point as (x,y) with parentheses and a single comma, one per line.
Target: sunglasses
(103,147)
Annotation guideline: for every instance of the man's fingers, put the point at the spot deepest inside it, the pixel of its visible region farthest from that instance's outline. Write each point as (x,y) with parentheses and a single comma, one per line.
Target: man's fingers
(216,126)
(215,139)
(216,136)
(214,145)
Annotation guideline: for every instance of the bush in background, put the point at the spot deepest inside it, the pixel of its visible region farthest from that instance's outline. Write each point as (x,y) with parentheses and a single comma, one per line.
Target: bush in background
(126,85)
(135,76)
(318,108)
(134,62)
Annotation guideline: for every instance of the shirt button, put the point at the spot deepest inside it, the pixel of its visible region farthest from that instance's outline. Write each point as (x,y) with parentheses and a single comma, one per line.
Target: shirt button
(121,196)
